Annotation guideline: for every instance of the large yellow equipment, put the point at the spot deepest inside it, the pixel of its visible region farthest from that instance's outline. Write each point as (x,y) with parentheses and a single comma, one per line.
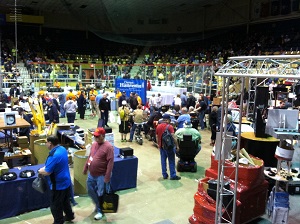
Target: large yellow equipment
(38,117)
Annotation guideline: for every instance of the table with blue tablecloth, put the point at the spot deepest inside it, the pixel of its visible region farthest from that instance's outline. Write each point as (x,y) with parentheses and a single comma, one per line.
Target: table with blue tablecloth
(124,174)
(18,196)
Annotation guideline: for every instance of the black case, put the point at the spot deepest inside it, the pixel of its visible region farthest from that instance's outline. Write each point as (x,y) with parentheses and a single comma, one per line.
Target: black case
(126,152)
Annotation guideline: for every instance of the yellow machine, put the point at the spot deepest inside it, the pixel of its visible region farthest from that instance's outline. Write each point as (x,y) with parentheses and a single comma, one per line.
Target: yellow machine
(38,117)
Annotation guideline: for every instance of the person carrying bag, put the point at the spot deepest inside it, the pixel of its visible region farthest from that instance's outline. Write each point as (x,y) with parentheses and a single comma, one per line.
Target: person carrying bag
(109,201)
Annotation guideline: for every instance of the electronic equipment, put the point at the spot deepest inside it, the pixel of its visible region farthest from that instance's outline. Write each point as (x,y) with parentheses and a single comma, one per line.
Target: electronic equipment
(126,152)
(10,119)
(260,125)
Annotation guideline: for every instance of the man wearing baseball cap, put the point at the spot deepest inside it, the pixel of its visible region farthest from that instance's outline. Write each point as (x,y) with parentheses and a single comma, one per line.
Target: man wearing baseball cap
(99,167)
(164,154)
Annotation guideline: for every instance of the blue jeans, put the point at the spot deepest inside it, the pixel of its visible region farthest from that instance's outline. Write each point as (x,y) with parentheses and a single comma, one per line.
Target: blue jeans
(95,186)
(170,154)
(201,119)
(62,111)
(132,130)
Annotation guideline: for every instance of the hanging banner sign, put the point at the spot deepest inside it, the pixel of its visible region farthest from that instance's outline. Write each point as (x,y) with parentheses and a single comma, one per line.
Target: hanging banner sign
(138,86)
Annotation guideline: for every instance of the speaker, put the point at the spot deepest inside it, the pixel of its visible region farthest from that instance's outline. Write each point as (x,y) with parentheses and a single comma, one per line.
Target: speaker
(260,125)
(262,96)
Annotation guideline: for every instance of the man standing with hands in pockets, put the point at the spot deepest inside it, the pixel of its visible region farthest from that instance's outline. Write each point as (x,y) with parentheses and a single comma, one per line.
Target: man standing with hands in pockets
(99,164)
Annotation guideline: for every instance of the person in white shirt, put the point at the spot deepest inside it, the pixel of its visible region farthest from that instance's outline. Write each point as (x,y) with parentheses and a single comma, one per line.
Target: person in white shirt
(177,100)
(271,86)
(159,102)
(152,103)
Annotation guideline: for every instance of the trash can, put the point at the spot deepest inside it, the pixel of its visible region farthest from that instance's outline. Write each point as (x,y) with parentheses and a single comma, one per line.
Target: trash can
(41,151)
(79,178)
(34,137)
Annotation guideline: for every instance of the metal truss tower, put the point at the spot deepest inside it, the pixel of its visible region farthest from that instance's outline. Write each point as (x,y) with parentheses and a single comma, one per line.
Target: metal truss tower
(254,68)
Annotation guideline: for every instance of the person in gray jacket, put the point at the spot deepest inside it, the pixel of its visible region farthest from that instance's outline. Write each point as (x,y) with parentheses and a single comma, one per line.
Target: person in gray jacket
(70,107)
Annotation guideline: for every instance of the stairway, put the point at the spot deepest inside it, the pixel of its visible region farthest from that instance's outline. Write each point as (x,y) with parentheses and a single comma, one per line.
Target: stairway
(24,75)
(140,60)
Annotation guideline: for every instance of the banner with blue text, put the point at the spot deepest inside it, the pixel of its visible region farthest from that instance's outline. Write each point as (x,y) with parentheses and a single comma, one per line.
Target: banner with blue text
(138,86)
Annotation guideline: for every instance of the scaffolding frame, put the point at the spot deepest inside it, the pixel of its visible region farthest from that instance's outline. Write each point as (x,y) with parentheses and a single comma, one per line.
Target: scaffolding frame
(254,67)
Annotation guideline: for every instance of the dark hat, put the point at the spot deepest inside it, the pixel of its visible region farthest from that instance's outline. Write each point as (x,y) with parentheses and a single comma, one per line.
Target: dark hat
(166,116)
(49,101)
(99,131)
(123,91)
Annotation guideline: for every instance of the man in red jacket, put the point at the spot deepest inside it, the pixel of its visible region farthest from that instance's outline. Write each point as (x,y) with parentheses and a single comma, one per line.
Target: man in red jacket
(99,164)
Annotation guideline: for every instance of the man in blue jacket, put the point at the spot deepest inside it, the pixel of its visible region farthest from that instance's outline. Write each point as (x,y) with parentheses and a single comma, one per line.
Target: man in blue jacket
(56,170)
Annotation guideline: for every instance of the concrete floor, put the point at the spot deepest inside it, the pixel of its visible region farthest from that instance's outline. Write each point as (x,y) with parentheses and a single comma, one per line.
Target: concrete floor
(155,200)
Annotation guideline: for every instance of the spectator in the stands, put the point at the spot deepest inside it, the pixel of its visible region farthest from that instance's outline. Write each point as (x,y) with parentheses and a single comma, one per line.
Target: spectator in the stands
(56,84)
(14,91)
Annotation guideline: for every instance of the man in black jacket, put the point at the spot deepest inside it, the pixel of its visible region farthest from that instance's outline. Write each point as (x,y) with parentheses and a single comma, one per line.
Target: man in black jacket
(52,112)
(104,107)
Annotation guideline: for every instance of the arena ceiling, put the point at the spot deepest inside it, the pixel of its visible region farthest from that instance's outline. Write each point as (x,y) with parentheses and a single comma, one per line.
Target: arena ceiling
(110,18)
(115,7)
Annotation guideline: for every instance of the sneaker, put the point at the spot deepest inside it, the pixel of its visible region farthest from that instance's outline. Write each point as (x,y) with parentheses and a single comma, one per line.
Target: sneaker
(98,216)
(129,140)
(165,177)
(175,178)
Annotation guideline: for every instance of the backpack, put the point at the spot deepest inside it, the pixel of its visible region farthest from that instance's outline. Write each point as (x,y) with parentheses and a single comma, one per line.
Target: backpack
(167,141)
(122,114)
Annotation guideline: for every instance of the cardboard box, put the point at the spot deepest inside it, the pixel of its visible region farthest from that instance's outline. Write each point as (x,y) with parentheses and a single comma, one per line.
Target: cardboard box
(217,101)
(4,168)
(22,139)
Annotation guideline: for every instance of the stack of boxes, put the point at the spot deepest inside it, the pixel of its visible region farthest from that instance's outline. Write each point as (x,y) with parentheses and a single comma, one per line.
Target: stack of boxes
(23,142)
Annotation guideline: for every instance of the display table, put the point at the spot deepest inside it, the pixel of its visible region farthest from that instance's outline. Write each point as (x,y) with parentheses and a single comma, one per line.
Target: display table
(124,174)
(167,98)
(263,148)
(18,196)
(9,159)
(169,89)
(244,121)
(20,123)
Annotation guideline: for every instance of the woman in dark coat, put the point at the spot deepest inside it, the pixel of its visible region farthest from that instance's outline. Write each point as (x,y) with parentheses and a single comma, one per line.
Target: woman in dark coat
(81,103)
